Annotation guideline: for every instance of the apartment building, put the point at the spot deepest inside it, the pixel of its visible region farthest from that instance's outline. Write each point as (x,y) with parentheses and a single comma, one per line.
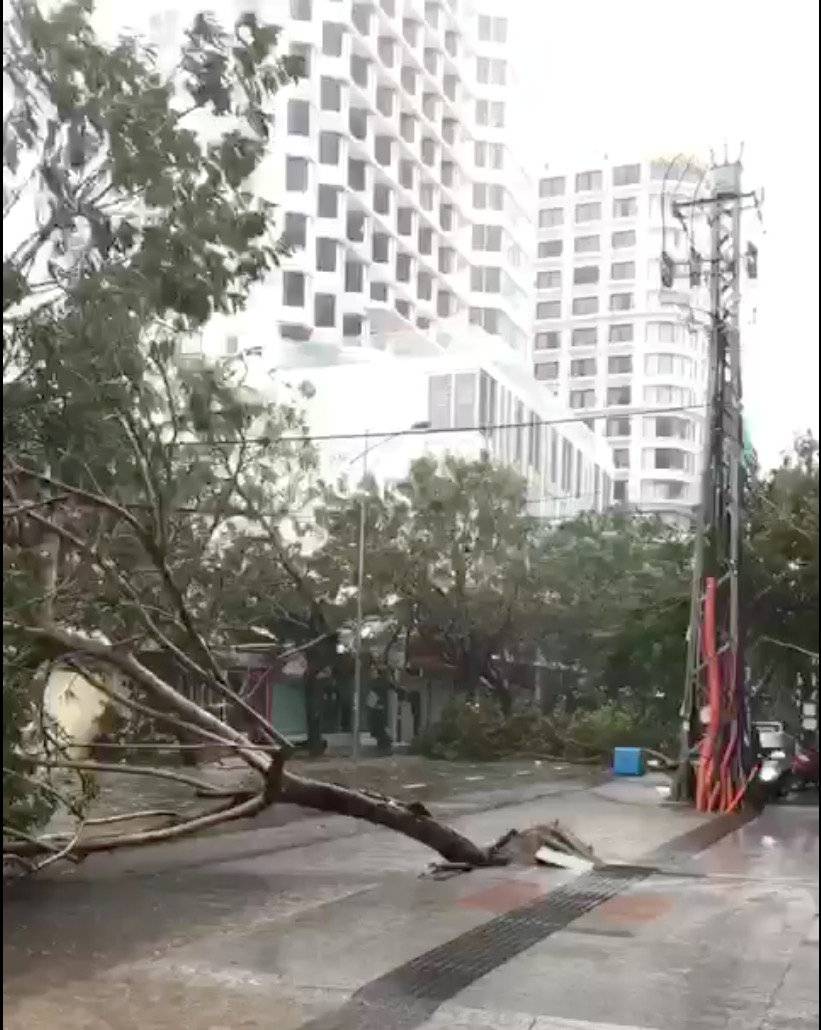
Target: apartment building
(608,336)
(393,164)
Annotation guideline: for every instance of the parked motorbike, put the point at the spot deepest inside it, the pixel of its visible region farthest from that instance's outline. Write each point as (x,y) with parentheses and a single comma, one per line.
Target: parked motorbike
(776,758)
(804,769)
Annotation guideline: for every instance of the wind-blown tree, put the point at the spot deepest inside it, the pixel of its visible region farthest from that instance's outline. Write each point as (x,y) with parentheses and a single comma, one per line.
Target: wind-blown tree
(125,474)
(621,584)
(450,559)
(781,578)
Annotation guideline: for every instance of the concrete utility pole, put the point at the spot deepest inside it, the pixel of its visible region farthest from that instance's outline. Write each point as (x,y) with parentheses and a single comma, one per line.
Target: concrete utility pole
(715,707)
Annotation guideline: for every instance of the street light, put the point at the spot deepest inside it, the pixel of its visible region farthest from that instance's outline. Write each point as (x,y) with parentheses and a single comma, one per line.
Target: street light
(356,713)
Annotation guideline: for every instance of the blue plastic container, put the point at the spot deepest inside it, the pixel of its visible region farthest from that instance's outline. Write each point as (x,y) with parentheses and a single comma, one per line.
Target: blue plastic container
(628,761)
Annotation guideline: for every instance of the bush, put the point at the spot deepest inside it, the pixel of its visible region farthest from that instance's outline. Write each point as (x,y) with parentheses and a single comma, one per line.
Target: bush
(478,731)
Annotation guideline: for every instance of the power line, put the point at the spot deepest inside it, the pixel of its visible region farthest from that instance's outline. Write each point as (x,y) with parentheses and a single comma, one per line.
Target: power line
(590,415)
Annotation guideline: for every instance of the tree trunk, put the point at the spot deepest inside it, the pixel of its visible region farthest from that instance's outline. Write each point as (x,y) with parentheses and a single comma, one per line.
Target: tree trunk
(313,713)
(409,820)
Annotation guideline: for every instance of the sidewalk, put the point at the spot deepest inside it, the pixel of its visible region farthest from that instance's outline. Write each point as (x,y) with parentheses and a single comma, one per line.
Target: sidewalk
(278,926)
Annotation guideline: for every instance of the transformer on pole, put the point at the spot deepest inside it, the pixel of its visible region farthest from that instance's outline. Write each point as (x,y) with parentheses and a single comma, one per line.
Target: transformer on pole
(716,753)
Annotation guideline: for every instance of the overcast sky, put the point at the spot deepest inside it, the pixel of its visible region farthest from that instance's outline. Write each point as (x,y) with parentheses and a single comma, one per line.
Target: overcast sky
(649,77)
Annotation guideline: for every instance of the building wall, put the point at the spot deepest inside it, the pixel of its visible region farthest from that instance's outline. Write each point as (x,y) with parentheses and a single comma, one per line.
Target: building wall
(501,287)
(608,336)
(478,397)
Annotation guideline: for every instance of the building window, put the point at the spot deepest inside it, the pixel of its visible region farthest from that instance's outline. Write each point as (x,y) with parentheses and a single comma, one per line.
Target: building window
(355,227)
(327,201)
(553,187)
(620,363)
(356,175)
(626,175)
(491,70)
(382,150)
(667,427)
(549,280)
(352,325)
(487,237)
(586,274)
(329,145)
(354,277)
(581,367)
(584,337)
(677,395)
(324,310)
(330,94)
(299,118)
(625,207)
(300,55)
(381,199)
(485,280)
(301,10)
(550,248)
(618,395)
(621,301)
(585,305)
(618,427)
(621,333)
(587,181)
(296,174)
(587,213)
(424,286)
(403,268)
(550,217)
(384,101)
(547,341)
(293,289)
(625,238)
(668,364)
(404,221)
(325,255)
(549,309)
(545,371)
(582,399)
(623,270)
(296,227)
(619,491)
(492,30)
(332,39)
(490,113)
(668,458)
(665,332)
(621,457)
(586,244)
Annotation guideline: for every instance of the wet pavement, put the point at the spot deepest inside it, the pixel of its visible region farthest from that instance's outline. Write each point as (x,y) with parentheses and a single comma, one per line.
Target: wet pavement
(283,926)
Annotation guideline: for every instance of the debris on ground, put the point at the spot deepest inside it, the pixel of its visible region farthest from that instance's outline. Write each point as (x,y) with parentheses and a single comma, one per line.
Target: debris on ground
(551,844)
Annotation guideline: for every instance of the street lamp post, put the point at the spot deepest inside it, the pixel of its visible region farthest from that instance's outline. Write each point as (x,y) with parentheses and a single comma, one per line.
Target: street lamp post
(356,707)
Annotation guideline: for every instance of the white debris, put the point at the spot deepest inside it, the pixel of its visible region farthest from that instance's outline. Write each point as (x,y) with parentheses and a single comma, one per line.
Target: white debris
(549,856)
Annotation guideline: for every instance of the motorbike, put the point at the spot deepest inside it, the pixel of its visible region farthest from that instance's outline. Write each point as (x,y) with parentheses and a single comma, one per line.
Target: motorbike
(776,758)
(804,769)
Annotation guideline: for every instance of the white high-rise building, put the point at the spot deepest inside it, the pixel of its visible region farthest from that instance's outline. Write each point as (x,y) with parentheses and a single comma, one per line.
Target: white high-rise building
(394,168)
(608,336)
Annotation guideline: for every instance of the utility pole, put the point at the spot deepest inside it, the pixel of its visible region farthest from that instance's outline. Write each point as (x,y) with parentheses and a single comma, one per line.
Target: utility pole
(715,706)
